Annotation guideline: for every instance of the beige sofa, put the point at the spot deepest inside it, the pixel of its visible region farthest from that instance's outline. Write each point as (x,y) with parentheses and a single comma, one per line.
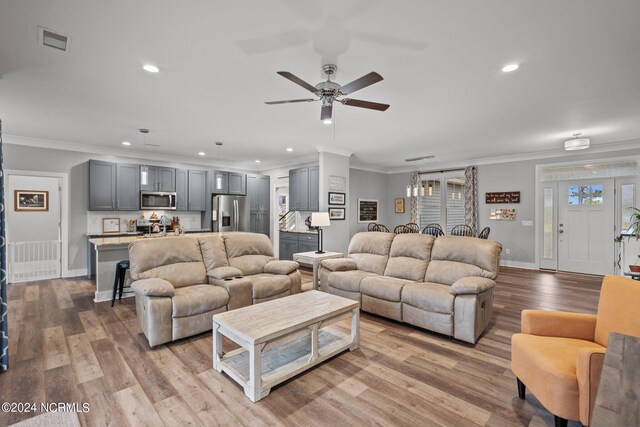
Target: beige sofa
(444,284)
(180,282)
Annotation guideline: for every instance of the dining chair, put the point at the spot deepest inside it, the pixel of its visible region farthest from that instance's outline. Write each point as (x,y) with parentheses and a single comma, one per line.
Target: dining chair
(382,228)
(371,226)
(462,230)
(400,229)
(412,227)
(433,229)
(484,234)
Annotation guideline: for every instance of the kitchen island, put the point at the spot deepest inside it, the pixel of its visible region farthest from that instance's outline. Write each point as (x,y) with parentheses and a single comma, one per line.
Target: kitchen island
(110,250)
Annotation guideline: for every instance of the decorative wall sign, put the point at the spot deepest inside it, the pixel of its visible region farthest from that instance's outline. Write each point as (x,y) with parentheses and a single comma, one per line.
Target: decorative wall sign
(337,198)
(398,202)
(503,197)
(336,214)
(110,225)
(337,183)
(367,210)
(31,200)
(503,214)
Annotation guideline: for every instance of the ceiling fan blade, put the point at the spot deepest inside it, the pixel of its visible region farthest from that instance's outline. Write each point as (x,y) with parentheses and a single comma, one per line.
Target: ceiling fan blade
(327,112)
(365,104)
(289,101)
(297,80)
(362,82)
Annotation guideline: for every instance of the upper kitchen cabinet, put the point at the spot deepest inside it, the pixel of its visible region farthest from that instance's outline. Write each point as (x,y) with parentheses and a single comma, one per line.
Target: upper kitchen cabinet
(304,189)
(157,179)
(182,190)
(102,186)
(220,182)
(258,190)
(237,183)
(197,194)
(128,187)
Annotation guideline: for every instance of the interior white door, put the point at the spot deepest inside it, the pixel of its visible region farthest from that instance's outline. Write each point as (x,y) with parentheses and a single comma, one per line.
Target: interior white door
(586,226)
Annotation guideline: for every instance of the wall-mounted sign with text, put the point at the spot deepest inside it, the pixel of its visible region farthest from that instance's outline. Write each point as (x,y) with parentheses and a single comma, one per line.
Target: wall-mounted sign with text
(503,197)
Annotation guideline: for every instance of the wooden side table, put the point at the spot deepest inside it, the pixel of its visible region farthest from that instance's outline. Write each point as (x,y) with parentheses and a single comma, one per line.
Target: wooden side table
(313,259)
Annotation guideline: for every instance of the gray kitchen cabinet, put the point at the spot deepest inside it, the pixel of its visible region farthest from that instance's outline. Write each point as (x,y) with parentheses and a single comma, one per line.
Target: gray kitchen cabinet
(220,182)
(158,179)
(127,187)
(237,183)
(307,242)
(102,186)
(314,188)
(182,190)
(197,190)
(291,243)
(258,189)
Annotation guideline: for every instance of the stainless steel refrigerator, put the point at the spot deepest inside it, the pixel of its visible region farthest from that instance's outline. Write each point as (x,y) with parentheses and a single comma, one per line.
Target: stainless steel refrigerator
(230,213)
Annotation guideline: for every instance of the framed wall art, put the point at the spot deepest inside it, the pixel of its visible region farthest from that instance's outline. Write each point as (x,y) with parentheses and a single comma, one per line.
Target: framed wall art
(31,200)
(337,198)
(367,210)
(336,214)
(398,203)
(110,225)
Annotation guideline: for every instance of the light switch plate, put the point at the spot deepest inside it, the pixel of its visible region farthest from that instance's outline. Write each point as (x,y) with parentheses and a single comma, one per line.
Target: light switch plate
(527,223)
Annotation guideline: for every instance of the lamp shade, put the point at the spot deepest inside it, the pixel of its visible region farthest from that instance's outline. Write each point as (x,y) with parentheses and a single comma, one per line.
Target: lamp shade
(320,219)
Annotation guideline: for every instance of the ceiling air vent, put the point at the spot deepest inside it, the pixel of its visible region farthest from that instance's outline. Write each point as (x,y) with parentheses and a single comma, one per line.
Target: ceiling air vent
(417,159)
(52,39)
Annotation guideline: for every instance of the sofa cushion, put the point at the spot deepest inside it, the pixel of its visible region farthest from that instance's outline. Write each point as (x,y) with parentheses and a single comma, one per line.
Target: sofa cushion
(370,251)
(348,280)
(224,273)
(196,299)
(455,257)
(339,264)
(281,267)
(177,260)
(382,287)
(248,252)
(266,285)
(428,296)
(409,256)
(213,252)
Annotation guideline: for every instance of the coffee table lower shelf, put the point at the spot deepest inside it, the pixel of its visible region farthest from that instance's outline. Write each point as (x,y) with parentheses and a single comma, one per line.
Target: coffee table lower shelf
(276,361)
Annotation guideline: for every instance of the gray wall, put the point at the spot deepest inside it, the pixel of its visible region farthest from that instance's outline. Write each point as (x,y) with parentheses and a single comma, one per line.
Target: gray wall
(336,237)
(366,185)
(397,187)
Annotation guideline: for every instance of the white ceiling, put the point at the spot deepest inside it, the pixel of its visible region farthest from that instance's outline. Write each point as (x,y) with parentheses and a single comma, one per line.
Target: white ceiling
(440,61)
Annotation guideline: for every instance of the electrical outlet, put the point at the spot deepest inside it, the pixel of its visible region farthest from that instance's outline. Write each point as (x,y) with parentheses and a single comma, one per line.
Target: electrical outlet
(527,223)
(507,251)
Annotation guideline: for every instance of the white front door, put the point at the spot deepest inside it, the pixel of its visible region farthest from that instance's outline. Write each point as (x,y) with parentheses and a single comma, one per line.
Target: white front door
(586,226)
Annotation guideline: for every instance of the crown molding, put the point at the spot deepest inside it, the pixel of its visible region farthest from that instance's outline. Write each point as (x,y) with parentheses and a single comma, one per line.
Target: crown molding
(296,161)
(333,149)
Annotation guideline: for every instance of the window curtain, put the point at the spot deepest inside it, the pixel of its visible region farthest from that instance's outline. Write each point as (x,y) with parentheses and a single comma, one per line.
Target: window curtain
(414,199)
(471,197)
(4,338)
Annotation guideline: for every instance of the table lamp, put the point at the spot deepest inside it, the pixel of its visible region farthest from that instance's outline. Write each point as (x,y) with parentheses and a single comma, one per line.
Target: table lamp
(320,219)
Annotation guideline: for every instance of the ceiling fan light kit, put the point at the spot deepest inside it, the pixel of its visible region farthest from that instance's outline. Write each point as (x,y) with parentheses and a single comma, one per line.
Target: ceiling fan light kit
(329,91)
(576,143)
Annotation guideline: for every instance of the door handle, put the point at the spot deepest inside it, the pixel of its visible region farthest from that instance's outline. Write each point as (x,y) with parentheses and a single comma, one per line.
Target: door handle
(560,231)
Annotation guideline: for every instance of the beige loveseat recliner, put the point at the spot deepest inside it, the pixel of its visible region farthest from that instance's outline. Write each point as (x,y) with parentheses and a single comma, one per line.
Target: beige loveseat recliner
(444,284)
(180,282)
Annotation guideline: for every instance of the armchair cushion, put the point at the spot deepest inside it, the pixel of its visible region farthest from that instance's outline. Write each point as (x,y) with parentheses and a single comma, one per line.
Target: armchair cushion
(339,264)
(281,267)
(559,324)
(471,285)
(153,287)
(224,272)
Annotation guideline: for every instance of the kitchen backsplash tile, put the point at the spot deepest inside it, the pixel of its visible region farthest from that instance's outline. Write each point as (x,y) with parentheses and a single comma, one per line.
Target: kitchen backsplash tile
(188,220)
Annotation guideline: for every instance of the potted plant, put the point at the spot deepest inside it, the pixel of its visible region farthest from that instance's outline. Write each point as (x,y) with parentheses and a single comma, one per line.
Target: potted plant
(635,229)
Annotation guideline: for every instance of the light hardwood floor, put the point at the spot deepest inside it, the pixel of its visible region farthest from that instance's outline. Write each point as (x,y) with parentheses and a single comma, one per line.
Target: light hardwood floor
(65,348)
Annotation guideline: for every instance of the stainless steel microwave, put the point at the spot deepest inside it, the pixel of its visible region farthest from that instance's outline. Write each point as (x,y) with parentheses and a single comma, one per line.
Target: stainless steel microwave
(157,200)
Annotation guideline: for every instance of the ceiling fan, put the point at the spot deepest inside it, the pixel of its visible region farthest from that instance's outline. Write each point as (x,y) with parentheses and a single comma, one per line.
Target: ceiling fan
(329,91)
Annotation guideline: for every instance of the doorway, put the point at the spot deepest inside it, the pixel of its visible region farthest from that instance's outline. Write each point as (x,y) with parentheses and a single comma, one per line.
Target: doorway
(34,227)
(586,226)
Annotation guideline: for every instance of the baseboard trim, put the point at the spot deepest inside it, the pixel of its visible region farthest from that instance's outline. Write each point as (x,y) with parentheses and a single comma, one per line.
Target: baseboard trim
(107,295)
(518,264)
(76,273)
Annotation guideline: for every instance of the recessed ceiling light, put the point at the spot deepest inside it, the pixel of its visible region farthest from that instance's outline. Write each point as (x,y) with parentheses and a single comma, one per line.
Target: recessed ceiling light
(289,149)
(127,143)
(201,153)
(151,68)
(327,121)
(257,161)
(510,67)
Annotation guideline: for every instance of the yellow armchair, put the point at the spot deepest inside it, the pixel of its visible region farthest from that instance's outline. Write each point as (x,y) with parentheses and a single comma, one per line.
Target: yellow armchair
(559,356)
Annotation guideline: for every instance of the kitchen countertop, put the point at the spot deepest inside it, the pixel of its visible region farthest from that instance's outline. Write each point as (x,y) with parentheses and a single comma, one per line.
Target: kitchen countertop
(300,231)
(125,240)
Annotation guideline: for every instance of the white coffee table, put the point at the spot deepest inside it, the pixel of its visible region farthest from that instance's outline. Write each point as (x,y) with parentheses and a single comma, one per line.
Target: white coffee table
(312,258)
(282,338)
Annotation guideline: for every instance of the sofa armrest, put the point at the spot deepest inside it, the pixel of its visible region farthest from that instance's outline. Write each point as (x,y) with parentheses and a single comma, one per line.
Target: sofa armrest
(339,264)
(153,287)
(471,285)
(224,273)
(559,324)
(588,370)
(240,291)
(280,267)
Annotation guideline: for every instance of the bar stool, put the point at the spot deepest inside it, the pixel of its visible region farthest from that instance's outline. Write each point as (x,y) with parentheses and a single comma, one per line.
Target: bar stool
(118,282)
